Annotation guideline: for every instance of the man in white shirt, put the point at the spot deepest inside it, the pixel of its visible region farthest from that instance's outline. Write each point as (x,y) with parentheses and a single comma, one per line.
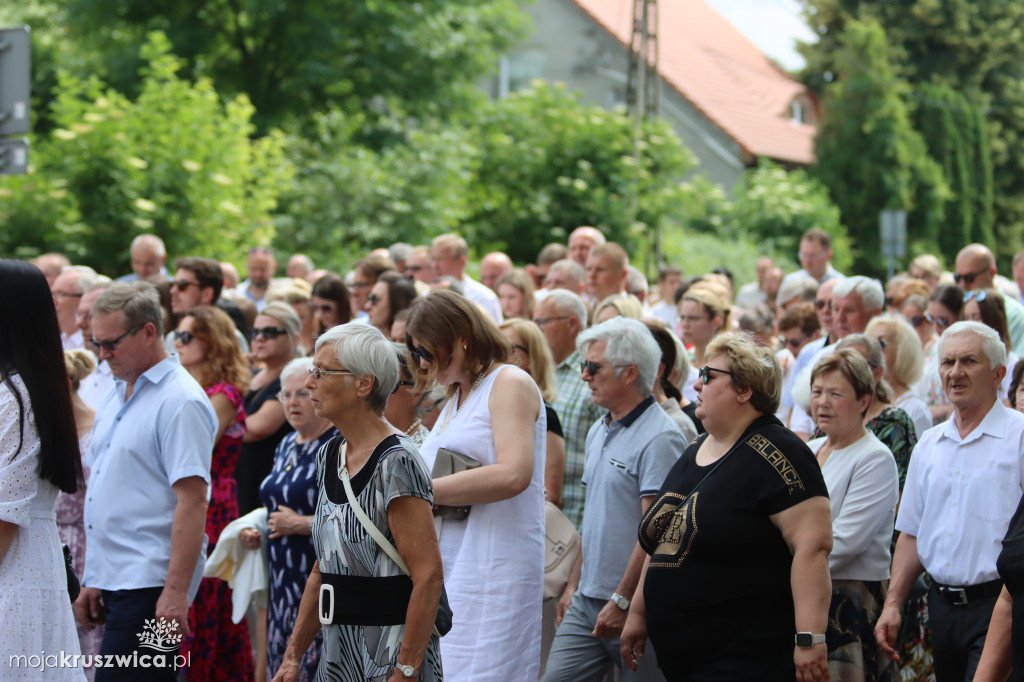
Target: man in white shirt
(448,255)
(964,483)
(815,256)
(665,309)
(66,293)
(95,387)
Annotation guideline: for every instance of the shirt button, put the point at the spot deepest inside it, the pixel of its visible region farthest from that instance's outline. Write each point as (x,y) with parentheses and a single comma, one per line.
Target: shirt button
(947,563)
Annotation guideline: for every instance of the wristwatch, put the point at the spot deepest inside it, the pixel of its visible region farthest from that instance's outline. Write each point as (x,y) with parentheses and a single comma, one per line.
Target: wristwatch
(620,601)
(807,640)
(406,670)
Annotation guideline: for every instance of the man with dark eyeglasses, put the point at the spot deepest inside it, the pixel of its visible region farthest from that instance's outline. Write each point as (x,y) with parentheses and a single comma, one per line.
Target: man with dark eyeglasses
(975,268)
(150,455)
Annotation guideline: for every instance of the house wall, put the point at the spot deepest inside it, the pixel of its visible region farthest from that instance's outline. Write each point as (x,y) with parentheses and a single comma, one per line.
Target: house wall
(568,46)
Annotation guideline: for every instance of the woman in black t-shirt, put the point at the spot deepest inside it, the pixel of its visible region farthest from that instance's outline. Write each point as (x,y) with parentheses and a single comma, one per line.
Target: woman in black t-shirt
(741,517)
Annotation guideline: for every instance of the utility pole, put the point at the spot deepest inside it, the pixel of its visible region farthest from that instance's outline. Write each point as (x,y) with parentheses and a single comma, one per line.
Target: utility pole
(643,94)
(14,99)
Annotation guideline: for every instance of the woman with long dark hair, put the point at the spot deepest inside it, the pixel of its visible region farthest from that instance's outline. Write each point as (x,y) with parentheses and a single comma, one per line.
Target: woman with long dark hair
(38,458)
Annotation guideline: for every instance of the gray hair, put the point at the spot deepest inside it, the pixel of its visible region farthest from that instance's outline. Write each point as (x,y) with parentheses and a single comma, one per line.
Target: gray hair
(90,280)
(875,357)
(152,241)
(803,287)
(636,282)
(139,301)
(993,345)
(629,343)
(872,296)
(570,302)
(296,367)
(285,316)
(570,268)
(399,251)
(370,353)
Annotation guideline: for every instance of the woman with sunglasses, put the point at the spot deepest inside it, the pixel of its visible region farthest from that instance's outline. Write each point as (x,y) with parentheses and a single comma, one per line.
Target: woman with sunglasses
(331,302)
(206,346)
(405,406)
(987,306)
(289,494)
(944,308)
(531,353)
(494,557)
(392,293)
(747,487)
(273,338)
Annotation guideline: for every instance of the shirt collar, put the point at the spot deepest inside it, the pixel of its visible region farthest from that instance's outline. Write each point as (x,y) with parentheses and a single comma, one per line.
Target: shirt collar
(572,360)
(633,415)
(156,373)
(994,424)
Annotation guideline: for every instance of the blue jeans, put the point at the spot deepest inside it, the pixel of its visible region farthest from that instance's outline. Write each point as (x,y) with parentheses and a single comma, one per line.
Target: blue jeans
(127,613)
(577,656)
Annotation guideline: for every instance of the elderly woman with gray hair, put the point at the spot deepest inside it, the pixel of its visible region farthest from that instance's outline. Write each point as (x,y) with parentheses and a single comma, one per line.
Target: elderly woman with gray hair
(274,337)
(377,579)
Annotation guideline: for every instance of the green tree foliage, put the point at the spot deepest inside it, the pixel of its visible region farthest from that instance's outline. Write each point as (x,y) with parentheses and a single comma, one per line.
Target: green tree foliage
(868,154)
(293,58)
(972,47)
(177,162)
(549,163)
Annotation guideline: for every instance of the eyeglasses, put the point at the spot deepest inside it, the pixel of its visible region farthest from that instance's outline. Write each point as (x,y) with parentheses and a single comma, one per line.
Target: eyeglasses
(941,321)
(269,333)
(111,346)
(419,352)
(978,295)
(183,284)
(543,321)
(413,268)
(65,294)
(968,278)
(374,299)
(592,368)
(319,372)
(917,320)
(705,373)
(184,337)
(326,308)
(301,394)
(410,384)
(822,304)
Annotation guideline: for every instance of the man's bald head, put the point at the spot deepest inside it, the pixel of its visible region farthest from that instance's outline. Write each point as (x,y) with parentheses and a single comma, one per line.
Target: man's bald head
(148,255)
(975,267)
(492,267)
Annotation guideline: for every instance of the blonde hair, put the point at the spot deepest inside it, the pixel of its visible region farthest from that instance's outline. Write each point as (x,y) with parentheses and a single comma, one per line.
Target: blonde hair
(752,366)
(909,363)
(626,304)
(542,365)
(713,297)
(79,364)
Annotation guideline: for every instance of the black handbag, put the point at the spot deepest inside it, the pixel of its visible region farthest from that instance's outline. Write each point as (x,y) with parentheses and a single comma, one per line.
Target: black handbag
(74,587)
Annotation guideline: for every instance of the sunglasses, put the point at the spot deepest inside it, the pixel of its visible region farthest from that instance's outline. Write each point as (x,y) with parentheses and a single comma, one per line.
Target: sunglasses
(941,321)
(978,295)
(184,337)
(111,346)
(822,304)
(374,299)
(301,394)
(410,384)
(705,373)
(420,353)
(795,343)
(917,320)
(269,333)
(592,368)
(183,284)
(319,372)
(969,277)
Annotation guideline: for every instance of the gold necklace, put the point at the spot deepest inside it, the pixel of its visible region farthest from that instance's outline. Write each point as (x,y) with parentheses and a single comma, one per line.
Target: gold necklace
(455,413)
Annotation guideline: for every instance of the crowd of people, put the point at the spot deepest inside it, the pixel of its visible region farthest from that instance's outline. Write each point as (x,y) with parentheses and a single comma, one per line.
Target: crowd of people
(316,475)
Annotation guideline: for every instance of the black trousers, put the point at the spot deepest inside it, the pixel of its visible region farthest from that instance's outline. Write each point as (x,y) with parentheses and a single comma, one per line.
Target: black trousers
(958,635)
(130,658)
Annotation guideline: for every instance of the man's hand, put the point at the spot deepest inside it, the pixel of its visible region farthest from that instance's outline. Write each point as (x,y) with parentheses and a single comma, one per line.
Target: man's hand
(609,622)
(89,610)
(563,603)
(886,629)
(173,606)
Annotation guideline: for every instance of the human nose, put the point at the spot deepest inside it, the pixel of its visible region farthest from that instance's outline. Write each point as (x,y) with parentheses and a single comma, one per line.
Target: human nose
(310,381)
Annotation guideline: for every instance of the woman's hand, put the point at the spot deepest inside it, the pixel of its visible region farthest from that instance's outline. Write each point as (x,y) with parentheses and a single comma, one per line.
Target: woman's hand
(288,672)
(250,538)
(811,663)
(633,640)
(285,521)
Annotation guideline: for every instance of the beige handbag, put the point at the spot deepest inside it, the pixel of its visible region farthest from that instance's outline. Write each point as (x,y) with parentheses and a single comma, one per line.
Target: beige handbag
(446,463)
(562,545)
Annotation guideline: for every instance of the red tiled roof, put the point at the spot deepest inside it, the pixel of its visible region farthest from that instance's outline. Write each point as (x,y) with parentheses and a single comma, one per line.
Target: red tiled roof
(710,63)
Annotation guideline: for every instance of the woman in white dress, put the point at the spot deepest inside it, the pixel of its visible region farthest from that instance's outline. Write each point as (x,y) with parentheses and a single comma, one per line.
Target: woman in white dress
(494,558)
(38,458)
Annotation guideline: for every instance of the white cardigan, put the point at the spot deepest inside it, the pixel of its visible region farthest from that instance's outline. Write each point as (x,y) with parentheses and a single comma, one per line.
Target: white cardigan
(863,490)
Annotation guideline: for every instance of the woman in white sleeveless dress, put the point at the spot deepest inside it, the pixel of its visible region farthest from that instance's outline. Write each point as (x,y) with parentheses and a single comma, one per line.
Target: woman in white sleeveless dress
(494,558)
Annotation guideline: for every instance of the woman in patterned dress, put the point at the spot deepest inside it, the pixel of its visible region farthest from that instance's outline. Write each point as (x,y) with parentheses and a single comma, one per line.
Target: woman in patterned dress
(289,494)
(207,347)
(377,621)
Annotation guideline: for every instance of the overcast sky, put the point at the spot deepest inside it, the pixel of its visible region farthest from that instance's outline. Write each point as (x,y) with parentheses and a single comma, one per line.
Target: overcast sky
(772,25)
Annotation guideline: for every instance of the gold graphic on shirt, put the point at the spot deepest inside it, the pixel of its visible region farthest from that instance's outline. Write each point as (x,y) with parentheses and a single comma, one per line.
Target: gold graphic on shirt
(672,529)
(778,461)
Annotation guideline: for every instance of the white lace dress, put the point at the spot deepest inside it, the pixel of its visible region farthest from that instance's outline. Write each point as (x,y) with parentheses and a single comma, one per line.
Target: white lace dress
(35,613)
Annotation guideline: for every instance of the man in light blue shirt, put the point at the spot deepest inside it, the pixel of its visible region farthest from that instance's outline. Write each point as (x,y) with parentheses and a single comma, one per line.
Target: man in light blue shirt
(149,256)
(145,508)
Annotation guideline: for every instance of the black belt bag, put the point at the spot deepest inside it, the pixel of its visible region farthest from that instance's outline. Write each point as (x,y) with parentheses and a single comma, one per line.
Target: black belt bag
(363,600)
(962,596)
